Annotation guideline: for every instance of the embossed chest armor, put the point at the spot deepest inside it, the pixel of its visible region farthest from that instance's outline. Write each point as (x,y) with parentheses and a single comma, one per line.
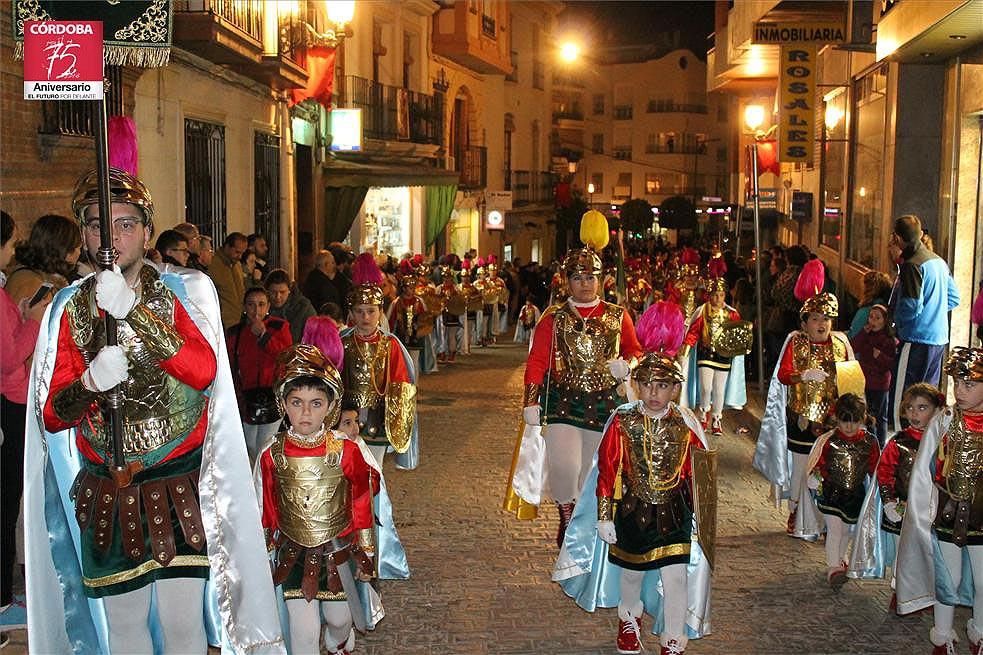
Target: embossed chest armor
(963,461)
(813,399)
(583,347)
(364,374)
(156,408)
(656,456)
(314,494)
(715,320)
(848,462)
(907,449)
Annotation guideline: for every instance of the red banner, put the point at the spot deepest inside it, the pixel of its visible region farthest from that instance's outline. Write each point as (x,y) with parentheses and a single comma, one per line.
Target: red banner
(319,63)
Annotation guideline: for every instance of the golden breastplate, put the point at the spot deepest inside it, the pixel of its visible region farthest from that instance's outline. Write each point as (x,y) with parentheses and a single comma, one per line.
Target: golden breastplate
(365,370)
(155,407)
(813,399)
(963,461)
(657,451)
(584,345)
(313,500)
(907,449)
(716,319)
(848,462)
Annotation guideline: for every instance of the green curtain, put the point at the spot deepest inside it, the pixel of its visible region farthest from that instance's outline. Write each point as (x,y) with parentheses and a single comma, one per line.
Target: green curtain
(341,205)
(440,203)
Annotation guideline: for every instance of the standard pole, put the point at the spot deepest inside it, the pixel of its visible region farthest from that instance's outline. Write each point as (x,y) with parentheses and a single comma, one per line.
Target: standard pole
(762,388)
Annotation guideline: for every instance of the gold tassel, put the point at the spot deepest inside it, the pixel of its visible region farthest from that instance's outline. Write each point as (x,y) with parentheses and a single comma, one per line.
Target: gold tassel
(18,50)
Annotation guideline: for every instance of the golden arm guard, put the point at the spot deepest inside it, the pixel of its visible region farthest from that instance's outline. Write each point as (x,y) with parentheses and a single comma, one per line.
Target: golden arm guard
(530,395)
(400,412)
(605,508)
(72,402)
(160,337)
(366,540)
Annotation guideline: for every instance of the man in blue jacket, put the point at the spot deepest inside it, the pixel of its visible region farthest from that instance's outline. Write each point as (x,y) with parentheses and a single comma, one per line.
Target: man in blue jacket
(923,296)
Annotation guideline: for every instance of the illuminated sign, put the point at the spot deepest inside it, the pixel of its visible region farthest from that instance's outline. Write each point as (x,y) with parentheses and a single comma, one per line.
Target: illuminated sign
(797,111)
(494,220)
(798,33)
(345,128)
(63,60)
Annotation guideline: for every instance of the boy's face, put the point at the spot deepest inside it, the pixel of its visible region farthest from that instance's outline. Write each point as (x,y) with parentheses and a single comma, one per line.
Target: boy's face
(717,299)
(849,427)
(919,410)
(366,318)
(348,423)
(307,408)
(656,394)
(969,395)
(817,327)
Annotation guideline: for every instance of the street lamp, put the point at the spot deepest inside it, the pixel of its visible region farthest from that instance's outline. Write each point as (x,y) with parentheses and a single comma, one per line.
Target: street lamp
(301,33)
(590,195)
(569,51)
(754,117)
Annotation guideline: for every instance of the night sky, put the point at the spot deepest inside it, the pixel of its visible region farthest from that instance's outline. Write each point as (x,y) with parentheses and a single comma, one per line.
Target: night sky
(613,25)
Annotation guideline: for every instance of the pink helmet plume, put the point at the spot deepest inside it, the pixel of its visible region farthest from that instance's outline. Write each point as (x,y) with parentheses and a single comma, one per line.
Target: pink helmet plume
(811,280)
(322,333)
(717,267)
(662,328)
(366,271)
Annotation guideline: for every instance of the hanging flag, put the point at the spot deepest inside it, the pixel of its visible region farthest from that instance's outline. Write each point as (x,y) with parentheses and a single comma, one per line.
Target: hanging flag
(319,62)
(768,158)
(135,33)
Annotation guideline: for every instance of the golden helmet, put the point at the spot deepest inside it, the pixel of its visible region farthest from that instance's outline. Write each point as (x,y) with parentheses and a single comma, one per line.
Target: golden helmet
(123,188)
(304,360)
(821,303)
(657,366)
(965,364)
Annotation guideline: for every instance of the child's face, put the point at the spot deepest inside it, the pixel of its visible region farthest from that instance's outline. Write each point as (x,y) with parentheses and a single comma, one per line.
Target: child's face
(656,394)
(969,395)
(366,318)
(875,321)
(307,408)
(849,428)
(717,299)
(349,423)
(919,410)
(817,327)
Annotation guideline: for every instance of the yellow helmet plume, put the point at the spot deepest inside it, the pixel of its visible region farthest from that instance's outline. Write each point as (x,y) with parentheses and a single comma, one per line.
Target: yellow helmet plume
(594,230)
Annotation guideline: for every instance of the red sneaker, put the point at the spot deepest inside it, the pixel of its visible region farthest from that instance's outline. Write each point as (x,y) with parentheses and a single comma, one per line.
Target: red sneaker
(948,648)
(673,648)
(837,577)
(629,642)
(715,426)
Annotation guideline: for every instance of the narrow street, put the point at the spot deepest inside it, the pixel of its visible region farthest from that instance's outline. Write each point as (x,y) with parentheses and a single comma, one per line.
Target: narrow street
(481,578)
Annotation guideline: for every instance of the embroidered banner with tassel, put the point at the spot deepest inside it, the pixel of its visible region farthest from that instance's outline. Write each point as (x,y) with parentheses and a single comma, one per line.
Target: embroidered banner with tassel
(135,33)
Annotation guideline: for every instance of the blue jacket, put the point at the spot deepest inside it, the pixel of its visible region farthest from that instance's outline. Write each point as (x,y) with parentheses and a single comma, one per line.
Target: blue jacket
(925,294)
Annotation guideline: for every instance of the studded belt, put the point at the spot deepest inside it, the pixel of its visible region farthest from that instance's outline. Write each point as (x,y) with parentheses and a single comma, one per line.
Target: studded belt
(99,503)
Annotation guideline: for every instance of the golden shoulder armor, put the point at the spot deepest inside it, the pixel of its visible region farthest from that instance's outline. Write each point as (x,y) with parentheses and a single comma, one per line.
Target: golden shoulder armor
(734,338)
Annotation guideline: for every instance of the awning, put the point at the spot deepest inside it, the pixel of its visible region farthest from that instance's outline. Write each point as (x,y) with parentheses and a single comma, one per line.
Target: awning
(341,173)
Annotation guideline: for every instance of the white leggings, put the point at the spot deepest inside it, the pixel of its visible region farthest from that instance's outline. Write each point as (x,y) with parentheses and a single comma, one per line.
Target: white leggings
(675,600)
(712,385)
(256,436)
(837,540)
(305,626)
(799,473)
(179,610)
(944,614)
(569,452)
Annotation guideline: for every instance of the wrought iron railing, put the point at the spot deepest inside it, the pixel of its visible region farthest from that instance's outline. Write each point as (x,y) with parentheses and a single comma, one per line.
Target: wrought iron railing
(245,16)
(669,106)
(392,113)
(532,187)
(472,163)
(76,117)
(623,112)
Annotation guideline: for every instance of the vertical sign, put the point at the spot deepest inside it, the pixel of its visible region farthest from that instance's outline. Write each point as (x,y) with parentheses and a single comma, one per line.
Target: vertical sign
(63,60)
(797,111)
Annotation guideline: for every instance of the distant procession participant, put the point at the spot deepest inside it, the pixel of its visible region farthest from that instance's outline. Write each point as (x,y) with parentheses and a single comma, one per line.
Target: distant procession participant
(179,511)
(580,354)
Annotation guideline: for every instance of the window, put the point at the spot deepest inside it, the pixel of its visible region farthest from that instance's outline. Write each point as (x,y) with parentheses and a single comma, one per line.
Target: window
(514,75)
(597,179)
(622,152)
(77,117)
(409,48)
(204,177)
(597,144)
(832,163)
(538,74)
(721,154)
(266,160)
(507,154)
(652,144)
(653,183)
(623,188)
(867,162)
(598,104)
(623,112)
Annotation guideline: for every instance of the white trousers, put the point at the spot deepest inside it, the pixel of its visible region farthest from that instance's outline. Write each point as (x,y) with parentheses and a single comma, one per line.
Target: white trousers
(179,610)
(256,436)
(837,540)
(674,595)
(569,452)
(712,385)
(305,626)
(944,614)
(799,473)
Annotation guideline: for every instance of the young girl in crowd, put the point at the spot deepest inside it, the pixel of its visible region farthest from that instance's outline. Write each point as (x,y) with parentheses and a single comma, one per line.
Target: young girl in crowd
(839,463)
(875,348)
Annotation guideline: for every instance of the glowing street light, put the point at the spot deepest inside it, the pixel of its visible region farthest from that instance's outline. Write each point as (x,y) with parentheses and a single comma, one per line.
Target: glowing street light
(569,52)
(754,116)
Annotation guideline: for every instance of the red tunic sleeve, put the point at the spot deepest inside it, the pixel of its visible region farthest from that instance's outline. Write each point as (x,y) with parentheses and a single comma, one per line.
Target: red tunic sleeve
(822,465)
(364,481)
(695,330)
(609,455)
(538,362)
(397,364)
(734,315)
(271,516)
(687,469)
(887,465)
(69,367)
(786,369)
(194,363)
(629,341)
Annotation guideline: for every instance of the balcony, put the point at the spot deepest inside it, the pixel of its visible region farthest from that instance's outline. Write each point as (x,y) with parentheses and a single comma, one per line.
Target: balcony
(392,113)
(671,149)
(670,107)
(231,33)
(474,39)
(621,152)
(532,187)
(623,112)
(472,163)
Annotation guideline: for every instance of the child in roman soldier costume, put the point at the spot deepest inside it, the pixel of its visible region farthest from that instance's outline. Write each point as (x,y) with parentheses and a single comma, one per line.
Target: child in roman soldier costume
(473,305)
(875,546)
(639,289)
(802,390)
(642,534)
(378,373)
(406,312)
(714,351)
(940,552)
(167,507)
(579,356)
(840,463)
(317,489)
(685,290)
(453,305)
(500,316)
(528,317)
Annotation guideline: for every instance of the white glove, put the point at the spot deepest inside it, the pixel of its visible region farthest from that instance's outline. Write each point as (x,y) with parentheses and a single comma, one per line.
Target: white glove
(618,368)
(891,512)
(814,375)
(531,414)
(606,531)
(813,482)
(108,369)
(113,293)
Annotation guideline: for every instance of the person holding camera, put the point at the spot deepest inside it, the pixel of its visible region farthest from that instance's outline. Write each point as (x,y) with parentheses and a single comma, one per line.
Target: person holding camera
(254,344)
